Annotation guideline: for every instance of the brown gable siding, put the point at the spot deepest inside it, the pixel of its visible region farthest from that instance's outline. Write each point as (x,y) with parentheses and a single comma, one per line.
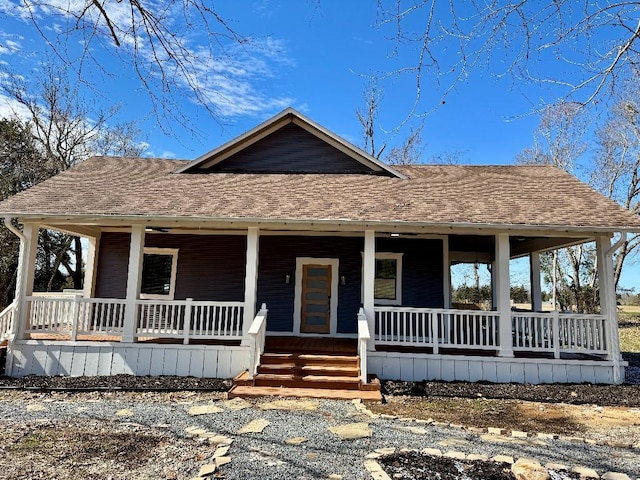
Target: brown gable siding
(290,149)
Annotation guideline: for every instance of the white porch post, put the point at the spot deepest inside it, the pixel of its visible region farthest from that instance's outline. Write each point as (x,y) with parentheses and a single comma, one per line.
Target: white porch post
(608,303)
(502,293)
(446,271)
(250,280)
(91,267)
(134,278)
(368,274)
(25,275)
(536,289)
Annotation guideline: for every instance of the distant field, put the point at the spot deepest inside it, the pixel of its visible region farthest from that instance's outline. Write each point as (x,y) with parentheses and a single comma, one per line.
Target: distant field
(629,309)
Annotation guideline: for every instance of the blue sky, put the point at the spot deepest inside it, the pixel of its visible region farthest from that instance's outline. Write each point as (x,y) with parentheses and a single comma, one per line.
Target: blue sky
(314,56)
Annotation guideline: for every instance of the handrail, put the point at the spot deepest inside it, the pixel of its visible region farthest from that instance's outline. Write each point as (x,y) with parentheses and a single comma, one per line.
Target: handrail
(257,332)
(6,326)
(364,335)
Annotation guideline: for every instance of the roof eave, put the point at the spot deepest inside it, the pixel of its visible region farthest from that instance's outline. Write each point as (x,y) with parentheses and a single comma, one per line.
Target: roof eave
(361,224)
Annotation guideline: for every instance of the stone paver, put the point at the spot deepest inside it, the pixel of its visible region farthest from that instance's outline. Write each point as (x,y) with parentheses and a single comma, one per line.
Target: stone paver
(304,405)
(529,469)
(236,404)
(351,431)
(615,476)
(296,440)
(207,469)
(36,407)
(409,429)
(585,472)
(254,426)
(125,412)
(204,410)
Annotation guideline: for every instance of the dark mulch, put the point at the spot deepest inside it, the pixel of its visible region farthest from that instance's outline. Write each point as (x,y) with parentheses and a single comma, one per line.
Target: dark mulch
(414,466)
(604,395)
(117,382)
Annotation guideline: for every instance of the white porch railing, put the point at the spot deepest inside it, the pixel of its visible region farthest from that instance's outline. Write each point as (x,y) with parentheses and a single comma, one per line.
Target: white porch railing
(188,319)
(183,319)
(363,339)
(436,328)
(257,333)
(559,332)
(7,317)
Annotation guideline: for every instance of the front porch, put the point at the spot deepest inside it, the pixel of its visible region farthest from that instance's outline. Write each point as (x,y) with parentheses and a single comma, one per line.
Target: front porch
(317,285)
(84,336)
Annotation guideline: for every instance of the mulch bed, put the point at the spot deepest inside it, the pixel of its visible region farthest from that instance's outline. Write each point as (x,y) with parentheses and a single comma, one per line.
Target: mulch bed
(117,382)
(414,466)
(603,395)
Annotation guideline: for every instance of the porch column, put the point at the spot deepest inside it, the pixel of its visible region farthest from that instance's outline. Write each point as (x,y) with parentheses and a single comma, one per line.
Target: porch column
(368,280)
(446,273)
(25,275)
(502,286)
(608,304)
(536,290)
(134,279)
(250,279)
(91,267)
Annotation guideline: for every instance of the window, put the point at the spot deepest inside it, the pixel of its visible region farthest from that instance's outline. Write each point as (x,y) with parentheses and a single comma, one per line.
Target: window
(159,273)
(387,285)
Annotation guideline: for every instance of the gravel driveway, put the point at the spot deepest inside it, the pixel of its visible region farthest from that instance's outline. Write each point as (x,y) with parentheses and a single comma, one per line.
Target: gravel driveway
(295,441)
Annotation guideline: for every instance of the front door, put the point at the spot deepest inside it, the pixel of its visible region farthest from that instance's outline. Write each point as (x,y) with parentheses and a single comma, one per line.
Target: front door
(315,311)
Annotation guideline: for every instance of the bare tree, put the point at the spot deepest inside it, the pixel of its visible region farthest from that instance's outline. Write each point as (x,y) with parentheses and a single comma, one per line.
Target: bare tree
(559,141)
(368,117)
(67,130)
(584,47)
(151,37)
(409,151)
(617,164)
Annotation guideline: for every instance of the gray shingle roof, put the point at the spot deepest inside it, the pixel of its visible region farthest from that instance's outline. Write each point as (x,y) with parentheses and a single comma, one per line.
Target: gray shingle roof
(439,194)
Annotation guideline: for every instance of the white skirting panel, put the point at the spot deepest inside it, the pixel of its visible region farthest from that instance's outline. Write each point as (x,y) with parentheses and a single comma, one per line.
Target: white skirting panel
(418,367)
(33,357)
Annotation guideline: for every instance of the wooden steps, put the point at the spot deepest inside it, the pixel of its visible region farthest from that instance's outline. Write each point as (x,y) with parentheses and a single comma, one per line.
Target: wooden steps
(312,375)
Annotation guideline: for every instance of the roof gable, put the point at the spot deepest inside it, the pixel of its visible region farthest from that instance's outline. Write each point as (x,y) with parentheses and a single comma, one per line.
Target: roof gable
(289,143)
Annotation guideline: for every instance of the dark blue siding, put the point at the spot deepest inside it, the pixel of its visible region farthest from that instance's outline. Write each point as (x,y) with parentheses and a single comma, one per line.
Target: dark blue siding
(422,270)
(278,258)
(291,150)
(209,267)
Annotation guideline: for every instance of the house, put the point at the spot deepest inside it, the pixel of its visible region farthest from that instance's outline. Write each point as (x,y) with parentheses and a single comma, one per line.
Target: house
(288,237)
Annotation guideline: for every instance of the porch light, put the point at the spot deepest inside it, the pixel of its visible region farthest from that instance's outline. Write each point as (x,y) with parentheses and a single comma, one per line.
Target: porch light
(343,280)
(156,229)
(287,279)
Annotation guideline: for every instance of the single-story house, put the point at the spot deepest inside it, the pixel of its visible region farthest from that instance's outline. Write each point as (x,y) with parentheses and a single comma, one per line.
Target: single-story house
(289,239)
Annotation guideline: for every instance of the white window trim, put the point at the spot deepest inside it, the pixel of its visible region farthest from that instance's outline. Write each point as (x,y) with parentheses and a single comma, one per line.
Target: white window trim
(174,269)
(398,258)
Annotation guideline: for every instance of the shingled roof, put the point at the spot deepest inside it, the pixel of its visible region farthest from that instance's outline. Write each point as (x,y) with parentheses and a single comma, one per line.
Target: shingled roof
(539,196)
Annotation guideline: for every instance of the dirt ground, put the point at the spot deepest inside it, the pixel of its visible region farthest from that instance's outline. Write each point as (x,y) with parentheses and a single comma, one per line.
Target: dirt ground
(616,425)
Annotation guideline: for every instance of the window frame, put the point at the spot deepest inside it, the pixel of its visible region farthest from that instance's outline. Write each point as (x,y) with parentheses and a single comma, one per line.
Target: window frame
(173,252)
(388,256)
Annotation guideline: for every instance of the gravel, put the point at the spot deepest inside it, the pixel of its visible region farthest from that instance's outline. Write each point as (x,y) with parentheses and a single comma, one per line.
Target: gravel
(266,455)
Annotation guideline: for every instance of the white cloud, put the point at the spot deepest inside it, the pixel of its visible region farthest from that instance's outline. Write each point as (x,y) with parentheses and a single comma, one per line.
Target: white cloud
(10,108)
(237,81)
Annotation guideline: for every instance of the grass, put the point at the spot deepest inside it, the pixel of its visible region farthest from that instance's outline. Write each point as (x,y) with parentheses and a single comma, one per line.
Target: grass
(629,328)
